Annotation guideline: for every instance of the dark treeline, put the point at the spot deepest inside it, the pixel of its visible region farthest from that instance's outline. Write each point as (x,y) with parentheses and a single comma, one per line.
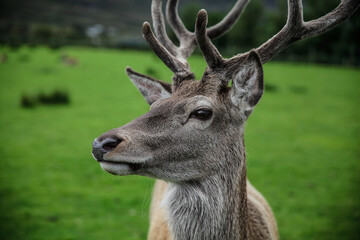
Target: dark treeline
(258,23)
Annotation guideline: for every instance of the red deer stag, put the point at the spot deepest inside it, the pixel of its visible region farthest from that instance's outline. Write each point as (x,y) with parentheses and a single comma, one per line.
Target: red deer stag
(192,139)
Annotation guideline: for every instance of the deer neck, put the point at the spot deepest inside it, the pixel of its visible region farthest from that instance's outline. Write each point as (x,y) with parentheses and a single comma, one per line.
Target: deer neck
(211,208)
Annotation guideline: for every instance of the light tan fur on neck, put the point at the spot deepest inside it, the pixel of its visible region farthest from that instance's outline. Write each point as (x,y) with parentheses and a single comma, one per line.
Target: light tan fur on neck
(258,208)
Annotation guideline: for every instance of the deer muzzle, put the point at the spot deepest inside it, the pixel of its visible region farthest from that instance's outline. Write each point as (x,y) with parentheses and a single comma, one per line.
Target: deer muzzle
(100,148)
(115,156)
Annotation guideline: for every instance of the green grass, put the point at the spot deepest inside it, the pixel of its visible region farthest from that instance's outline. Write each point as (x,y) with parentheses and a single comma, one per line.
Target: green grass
(302,144)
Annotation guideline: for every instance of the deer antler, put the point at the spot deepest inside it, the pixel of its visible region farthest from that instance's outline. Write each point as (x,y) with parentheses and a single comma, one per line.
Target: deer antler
(294,30)
(175,57)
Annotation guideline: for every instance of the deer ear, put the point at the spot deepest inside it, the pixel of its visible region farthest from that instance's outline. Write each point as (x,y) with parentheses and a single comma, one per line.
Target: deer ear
(248,84)
(151,89)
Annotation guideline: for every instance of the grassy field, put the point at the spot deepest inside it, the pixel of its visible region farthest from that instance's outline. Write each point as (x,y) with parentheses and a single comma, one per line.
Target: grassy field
(302,144)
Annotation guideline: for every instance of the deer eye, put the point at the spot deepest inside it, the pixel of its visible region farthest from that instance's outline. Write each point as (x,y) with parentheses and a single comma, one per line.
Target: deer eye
(201,114)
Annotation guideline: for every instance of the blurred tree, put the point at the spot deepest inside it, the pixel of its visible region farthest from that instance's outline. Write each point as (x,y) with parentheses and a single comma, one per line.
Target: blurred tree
(59,22)
(188,15)
(247,32)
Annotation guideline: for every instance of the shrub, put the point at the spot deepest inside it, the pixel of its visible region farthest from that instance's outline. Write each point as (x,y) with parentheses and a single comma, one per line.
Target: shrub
(27,101)
(56,97)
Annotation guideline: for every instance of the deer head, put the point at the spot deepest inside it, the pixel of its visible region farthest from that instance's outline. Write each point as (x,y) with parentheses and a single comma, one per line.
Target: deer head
(193,125)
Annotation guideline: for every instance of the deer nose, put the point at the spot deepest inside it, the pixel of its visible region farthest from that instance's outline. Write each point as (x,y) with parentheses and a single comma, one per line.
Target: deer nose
(104,146)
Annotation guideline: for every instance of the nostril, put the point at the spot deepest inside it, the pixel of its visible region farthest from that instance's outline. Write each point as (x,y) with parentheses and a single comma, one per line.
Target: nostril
(111,144)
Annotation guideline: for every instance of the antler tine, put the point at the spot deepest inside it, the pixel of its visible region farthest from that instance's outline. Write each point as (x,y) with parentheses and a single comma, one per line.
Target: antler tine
(159,26)
(170,61)
(175,22)
(228,21)
(175,57)
(187,38)
(296,29)
(181,70)
(223,68)
(327,22)
(211,54)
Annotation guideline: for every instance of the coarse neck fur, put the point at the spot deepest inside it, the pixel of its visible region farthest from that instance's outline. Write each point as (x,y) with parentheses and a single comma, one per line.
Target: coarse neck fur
(211,208)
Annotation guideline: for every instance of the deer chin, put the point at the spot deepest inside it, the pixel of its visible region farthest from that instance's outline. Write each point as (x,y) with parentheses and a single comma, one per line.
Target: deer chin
(120,168)
(122,165)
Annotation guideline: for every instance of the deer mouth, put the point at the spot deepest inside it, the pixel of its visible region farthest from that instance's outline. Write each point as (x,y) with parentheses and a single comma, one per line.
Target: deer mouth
(119,168)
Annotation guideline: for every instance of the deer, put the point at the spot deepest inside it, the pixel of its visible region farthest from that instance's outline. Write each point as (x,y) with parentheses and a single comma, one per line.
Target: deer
(68,60)
(192,138)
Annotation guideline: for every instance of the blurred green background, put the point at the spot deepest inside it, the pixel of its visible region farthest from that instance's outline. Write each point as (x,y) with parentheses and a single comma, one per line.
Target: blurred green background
(302,140)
